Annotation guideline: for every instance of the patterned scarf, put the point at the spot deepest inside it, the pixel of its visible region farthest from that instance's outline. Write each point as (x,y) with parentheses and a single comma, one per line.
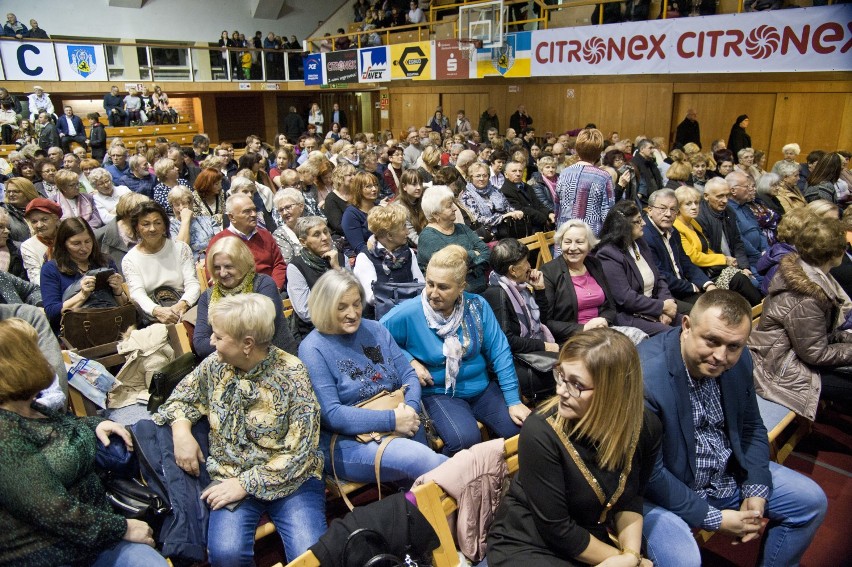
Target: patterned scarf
(390,260)
(245,286)
(523,302)
(318,263)
(447,329)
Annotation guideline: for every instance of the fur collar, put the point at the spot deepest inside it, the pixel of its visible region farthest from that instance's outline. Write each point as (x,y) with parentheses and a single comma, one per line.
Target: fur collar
(794,278)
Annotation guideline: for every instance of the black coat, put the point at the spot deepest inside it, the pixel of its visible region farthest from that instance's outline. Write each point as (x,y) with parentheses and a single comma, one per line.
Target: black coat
(560,314)
(500,303)
(715,225)
(688,131)
(97,136)
(294,125)
(650,178)
(48,137)
(737,140)
(522,198)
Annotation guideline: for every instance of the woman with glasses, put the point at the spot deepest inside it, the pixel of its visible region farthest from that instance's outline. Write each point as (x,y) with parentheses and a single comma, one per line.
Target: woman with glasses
(641,295)
(106,194)
(585,457)
(489,206)
(290,204)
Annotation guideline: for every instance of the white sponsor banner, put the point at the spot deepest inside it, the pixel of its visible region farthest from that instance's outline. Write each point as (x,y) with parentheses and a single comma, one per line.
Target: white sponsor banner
(804,39)
(373,65)
(81,62)
(25,61)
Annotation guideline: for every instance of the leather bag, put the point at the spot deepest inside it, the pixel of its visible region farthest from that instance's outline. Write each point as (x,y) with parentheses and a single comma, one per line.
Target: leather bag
(166,380)
(90,327)
(388,295)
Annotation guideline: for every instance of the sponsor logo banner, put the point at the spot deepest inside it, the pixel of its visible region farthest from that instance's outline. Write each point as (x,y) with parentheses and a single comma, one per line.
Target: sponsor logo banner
(412,61)
(341,66)
(373,65)
(510,60)
(450,62)
(81,62)
(24,61)
(803,39)
(314,69)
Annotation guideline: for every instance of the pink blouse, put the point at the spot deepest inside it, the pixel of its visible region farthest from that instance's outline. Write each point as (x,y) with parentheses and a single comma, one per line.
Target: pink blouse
(590,297)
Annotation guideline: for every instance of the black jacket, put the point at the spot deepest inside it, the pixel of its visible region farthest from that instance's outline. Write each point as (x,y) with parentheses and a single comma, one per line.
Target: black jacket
(97,136)
(500,303)
(515,122)
(294,125)
(650,178)
(48,137)
(715,224)
(737,140)
(560,314)
(688,131)
(680,287)
(522,198)
(486,122)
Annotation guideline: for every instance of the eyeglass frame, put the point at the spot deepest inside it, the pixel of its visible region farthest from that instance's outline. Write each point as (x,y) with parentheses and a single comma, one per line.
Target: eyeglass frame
(573,389)
(664,210)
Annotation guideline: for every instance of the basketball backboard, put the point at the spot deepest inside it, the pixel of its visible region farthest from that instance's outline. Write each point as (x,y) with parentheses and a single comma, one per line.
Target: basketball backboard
(482,21)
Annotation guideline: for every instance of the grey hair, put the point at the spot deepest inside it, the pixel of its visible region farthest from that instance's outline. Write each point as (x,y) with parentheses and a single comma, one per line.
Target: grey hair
(179,193)
(786,168)
(288,194)
(575,223)
(229,204)
(744,151)
(715,182)
(325,296)
(653,197)
(305,224)
(433,198)
(98,174)
(239,182)
(766,182)
(135,160)
(795,147)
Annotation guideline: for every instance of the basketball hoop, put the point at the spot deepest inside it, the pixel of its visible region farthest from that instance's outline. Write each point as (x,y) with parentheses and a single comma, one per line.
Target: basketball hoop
(468,47)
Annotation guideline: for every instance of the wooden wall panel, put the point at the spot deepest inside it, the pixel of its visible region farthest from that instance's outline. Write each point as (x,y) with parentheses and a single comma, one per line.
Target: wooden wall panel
(717,112)
(411,109)
(811,130)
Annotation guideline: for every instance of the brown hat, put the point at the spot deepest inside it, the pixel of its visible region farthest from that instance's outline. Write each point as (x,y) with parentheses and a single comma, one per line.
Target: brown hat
(43,205)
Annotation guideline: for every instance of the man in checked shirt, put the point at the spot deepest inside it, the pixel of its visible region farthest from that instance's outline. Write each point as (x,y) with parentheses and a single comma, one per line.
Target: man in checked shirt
(713,471)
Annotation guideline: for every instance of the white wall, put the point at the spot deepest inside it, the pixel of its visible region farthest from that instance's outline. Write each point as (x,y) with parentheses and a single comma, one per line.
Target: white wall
(170,20)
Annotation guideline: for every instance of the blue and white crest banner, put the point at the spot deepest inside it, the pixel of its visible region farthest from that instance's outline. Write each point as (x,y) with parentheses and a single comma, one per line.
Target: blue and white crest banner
(80,62)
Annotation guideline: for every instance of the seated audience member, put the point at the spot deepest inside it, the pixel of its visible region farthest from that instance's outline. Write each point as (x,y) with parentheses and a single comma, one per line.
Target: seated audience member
(119,166)
(822,182)
(717,477)
(264,434)
(47,173)
(439,207)
(74,203)
(208,197)
(789,194)
(242,214)
(290,204)
(719,224)
(743,192)
(337,200)
(39,101)
(640,294)
(791,225)
(43,215)
(489,206)
(67,281)
(185,226)
(55,510)
(452,337)
(14,290)
(113,107)
(791,152)
(720,268)
(516,295)
(17,194)
(242,184)
(106,194)
(387,258)
(724,162)
(801,339)
(523,198)
(317,256)
(409,197)
(231,268)
(686,281)
(363,195)
(160,272)
(351,359)
(139,179)
(132,105)
(10,256)
(70,129)
(167,179)
(392,176)
(118,236)
(767,196)
(585,457)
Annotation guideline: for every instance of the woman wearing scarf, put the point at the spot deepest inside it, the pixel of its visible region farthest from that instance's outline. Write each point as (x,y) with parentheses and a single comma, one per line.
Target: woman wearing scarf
(739,139)
(544,182)
(232,269)
(802,343)
(488,205)
(264,434)
(452,338)
(387,258)
(18,193)
(43,215)
(317,256)
(74,203)
(517,296)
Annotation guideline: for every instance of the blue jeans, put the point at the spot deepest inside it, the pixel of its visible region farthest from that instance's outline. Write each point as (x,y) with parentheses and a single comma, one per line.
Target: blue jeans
(795,509)
(127,554)
(299,519)
(455,418)
(403,459)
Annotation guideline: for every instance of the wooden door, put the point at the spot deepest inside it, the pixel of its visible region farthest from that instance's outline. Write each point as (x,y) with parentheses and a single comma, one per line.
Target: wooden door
(411,110)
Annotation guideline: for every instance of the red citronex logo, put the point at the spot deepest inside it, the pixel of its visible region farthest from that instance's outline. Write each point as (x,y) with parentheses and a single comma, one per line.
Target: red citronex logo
(594,50)
(762,42)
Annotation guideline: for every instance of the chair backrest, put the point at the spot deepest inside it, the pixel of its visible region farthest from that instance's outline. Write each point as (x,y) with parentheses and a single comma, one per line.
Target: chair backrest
(201,273)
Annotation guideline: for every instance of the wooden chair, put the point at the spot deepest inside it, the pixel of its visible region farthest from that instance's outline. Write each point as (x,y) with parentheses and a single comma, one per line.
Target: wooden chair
(436,505)
(201,274)
(307,559)
(547,245)
(533,242)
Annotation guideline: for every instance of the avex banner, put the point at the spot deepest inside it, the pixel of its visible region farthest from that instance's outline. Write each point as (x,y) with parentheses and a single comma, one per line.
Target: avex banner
(804,39)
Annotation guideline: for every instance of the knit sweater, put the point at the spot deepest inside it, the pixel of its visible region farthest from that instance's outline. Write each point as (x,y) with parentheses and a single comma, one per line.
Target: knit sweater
(171,266)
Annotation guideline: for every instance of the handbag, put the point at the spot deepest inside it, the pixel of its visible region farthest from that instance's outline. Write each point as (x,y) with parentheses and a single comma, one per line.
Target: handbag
(387,295)
(90,327)
(164,381)
(382,401)
(512,228)
(540,361)
(535,374)
(165,296)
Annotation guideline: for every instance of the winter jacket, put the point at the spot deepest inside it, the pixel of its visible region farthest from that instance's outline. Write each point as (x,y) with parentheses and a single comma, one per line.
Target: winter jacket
(824,190)
(796,336)
(147,351)
(474,478)
(768,263)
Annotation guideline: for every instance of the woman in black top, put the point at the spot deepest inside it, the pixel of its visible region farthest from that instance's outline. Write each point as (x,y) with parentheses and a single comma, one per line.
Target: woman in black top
(585,457)
(739,138)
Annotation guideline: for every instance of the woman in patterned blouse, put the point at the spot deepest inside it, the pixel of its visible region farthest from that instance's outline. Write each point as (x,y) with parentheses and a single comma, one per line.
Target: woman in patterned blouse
(264,434)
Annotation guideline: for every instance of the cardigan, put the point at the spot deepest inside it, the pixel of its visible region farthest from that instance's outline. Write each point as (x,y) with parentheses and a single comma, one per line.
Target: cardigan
(431,240)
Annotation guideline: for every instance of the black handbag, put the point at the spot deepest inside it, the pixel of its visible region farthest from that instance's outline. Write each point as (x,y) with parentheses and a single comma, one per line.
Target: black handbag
(387,295)
(164,381)
(541,361)
(535,374)
(512,228)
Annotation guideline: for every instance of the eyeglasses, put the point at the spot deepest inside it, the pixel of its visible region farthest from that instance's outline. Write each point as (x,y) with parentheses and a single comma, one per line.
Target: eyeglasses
(287,208)
(638,222)
(664,210)
(752,186)
(573,388)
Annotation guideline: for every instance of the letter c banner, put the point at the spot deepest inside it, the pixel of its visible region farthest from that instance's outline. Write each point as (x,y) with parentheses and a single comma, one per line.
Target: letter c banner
(23,61)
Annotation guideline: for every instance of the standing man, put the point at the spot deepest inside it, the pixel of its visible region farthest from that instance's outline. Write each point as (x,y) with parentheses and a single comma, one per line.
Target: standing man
(463,125)
(688,131)
(48,137)
(294,125)
(713,470)
(113,107)
(70,129)
(488,120)
(650,178)
(338,115)
(520,120)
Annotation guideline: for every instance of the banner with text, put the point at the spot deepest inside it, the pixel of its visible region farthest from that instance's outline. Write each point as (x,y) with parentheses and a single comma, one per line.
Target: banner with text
(796,40)
(314,69)
(24,61)
(412,61)
(374,65)
(341,66)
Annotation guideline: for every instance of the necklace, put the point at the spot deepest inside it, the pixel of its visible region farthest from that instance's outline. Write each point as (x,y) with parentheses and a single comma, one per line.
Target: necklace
(580,283)
(636,252)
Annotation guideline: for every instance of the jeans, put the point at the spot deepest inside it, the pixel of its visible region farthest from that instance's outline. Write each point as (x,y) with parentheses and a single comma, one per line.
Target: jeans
(299,519)
(403,459)
(128,554)
(455,418)
(795,509)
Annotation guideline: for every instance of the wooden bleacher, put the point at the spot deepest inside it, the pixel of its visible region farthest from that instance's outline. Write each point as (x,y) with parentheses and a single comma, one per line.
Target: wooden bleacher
(180,133)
